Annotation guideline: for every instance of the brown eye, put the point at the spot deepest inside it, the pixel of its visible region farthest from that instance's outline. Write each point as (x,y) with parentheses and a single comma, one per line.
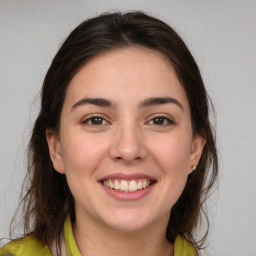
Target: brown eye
(95,121)
(160,121)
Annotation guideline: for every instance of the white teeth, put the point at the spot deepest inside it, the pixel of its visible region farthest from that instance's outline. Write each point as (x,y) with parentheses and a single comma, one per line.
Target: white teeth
(132,186)
(111,185)
(116,185)
(126,186)
(144,184)
(140,185)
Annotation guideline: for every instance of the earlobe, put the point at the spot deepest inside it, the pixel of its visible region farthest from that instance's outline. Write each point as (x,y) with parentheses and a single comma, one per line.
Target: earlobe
(196,151)
(55,150)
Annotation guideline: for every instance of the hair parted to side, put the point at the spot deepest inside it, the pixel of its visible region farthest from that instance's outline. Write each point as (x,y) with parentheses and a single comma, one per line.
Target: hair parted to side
(48,201)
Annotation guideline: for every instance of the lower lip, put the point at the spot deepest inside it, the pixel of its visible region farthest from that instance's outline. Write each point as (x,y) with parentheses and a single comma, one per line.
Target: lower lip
(128,196)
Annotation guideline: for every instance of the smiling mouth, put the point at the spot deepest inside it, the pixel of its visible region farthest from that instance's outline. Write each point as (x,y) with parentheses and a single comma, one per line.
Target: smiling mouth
(128,186)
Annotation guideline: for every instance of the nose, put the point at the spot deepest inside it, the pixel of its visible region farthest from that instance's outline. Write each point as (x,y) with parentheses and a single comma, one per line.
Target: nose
(128,145)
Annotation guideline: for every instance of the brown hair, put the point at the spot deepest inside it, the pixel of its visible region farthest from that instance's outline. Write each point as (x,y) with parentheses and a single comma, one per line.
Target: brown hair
(48,200)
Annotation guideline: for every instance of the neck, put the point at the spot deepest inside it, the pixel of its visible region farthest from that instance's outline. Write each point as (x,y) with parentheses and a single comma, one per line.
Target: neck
(95,239)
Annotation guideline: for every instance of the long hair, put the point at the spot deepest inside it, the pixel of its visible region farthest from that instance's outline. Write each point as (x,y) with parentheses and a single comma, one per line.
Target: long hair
(48,201)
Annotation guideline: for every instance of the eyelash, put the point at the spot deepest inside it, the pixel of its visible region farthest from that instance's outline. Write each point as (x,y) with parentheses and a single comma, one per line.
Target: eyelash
(164,121)
(90,119)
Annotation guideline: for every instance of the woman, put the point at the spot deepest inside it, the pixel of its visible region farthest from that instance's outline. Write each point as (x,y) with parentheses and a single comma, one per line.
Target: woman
(121,150)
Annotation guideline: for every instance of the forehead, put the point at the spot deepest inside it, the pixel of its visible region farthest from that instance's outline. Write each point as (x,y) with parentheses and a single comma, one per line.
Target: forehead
(134,73)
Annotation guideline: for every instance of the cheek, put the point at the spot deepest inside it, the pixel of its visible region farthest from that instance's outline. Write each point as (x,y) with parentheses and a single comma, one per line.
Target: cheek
(172,153)
(82,154)
(81,157)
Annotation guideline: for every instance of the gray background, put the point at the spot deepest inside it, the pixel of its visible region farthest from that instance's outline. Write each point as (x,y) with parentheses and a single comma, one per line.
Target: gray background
(221,36)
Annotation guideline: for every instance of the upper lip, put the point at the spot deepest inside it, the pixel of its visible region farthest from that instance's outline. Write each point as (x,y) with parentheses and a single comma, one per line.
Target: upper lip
(123,176)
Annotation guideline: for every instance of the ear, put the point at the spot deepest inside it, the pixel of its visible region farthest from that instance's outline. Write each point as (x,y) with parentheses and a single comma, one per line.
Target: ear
(196,151)
(55,150)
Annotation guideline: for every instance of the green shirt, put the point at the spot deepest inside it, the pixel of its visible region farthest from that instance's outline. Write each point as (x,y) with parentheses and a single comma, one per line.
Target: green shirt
(29,246)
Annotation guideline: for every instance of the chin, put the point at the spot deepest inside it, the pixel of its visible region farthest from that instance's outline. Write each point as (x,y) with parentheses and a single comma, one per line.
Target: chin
(129,222)
(128,227)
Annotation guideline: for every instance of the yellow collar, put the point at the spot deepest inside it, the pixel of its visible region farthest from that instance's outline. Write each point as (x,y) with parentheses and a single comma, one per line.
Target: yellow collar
(181,246)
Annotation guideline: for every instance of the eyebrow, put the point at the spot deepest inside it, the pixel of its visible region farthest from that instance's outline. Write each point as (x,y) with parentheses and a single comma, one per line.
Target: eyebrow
(159,101)
(94,101)
(149,102)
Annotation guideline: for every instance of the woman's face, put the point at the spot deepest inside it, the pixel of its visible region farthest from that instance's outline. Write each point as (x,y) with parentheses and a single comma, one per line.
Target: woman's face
(125,142)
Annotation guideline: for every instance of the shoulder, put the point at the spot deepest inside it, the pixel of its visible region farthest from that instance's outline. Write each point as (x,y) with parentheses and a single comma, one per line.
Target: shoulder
(27,246)
(183,248)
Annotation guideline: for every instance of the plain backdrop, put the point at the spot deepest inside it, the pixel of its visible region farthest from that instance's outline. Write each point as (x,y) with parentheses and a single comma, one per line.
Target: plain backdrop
(222,37)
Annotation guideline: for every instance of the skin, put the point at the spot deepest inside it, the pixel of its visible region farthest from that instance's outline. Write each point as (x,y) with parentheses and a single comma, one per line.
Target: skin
(128,139)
